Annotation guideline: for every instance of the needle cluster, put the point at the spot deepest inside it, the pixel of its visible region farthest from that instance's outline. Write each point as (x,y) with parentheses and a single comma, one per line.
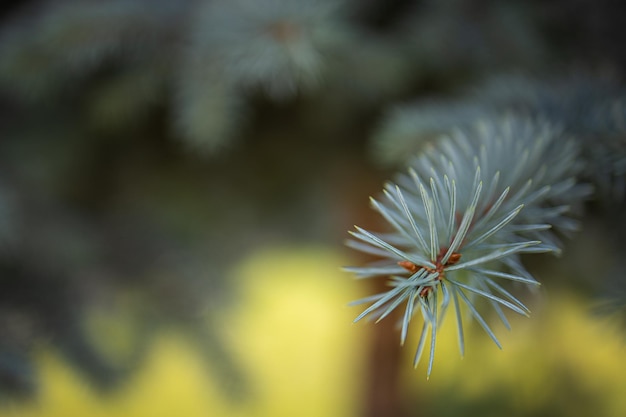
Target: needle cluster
(460,219)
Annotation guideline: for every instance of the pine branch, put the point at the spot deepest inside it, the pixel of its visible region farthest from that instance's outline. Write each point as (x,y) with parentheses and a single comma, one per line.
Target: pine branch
(591,110)
(467,209)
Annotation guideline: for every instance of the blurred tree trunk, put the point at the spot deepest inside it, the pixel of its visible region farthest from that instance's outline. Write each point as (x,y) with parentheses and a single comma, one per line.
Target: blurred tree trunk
(383,388)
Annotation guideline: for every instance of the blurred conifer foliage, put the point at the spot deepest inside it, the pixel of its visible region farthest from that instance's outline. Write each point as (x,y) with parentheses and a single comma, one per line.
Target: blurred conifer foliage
(148,145)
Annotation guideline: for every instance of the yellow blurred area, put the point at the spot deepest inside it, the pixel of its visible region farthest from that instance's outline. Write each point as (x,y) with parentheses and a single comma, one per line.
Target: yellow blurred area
(563,360)
(292,334)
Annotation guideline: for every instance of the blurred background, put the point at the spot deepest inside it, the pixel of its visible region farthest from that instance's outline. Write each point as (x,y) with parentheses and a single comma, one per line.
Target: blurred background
(177,180)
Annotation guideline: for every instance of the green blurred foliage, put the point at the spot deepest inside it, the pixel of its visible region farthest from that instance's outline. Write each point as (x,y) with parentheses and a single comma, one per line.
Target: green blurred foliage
(137,168)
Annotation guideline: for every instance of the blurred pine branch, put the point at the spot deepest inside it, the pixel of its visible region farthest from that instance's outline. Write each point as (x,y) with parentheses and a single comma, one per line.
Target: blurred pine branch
(109,110)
